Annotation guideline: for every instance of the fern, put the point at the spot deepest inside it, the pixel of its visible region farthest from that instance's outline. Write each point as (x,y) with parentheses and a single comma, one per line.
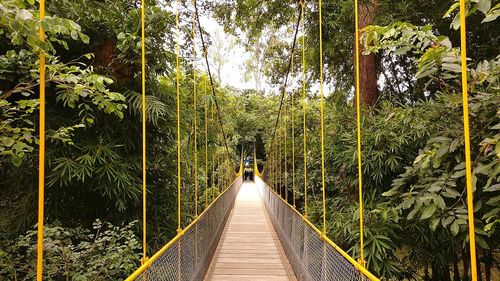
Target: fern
(156,110)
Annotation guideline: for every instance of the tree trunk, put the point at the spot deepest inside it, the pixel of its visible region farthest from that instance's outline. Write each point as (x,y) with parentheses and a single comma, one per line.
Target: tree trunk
(426,272)
(440,272)
(367,64)
(479,274)
(456,272)
(465,259)
(487,265)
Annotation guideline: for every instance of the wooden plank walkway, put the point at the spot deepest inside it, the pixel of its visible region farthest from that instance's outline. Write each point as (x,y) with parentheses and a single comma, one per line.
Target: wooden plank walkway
(249,249)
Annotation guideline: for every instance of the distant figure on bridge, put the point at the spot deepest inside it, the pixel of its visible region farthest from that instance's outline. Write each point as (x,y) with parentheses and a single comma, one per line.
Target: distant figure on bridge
(248,172)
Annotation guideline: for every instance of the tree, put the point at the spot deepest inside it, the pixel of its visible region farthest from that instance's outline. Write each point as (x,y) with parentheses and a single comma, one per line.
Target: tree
(221,51)
(367,63)
(255,65)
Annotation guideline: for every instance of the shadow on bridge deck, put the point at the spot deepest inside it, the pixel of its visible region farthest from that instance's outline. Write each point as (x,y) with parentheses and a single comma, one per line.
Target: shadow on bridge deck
(249,249)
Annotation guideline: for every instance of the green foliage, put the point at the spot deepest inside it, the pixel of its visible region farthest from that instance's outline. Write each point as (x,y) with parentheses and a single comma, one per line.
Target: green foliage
(17,129)
(471,6)
(428,188)
(413,153)
(20,24)
(75,85)
(108,252)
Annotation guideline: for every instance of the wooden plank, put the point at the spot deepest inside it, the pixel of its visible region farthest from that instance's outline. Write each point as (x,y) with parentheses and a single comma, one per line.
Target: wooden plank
(249,249)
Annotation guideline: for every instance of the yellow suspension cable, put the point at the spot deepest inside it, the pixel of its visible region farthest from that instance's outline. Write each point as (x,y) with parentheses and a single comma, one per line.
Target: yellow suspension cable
(195,116)
(285,149)
(358,126)
(224,174)
(276,163)
(213,176)
(468,164)
(276,166)
(218,167)
(213,155)
(304,108)
(206,140)
(177,79)
(293,140)
(218,173)
(41,153)
(271,165)
(144,159)
(280,152)
(322,121)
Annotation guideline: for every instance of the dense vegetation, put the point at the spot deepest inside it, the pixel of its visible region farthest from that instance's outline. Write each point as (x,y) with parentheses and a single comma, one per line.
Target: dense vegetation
(415,220)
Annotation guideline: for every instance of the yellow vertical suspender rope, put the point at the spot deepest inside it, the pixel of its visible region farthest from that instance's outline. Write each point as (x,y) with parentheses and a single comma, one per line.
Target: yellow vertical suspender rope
(271,165)
(304,133)
(468,165)
(280,152)
(285,150)
(218,173)
(273,161)
(144,163)
(293,141)
(358,126)
(206,140)
(224,171)
(212,195)
(270,171)
(179,179)
(213,154)
(177,79)
(276,166)
(322,121)
(195,116)
(41,153)
(217,165)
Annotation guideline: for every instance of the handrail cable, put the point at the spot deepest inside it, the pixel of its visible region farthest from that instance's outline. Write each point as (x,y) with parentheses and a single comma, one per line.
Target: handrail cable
(41,153)
(144,159)
(468,164)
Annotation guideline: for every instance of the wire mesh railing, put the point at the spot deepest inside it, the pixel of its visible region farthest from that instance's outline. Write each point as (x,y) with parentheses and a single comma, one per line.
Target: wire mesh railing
(312,255)
(188,255)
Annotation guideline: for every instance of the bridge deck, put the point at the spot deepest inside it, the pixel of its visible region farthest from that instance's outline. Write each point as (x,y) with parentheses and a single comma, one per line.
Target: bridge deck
(249,249)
